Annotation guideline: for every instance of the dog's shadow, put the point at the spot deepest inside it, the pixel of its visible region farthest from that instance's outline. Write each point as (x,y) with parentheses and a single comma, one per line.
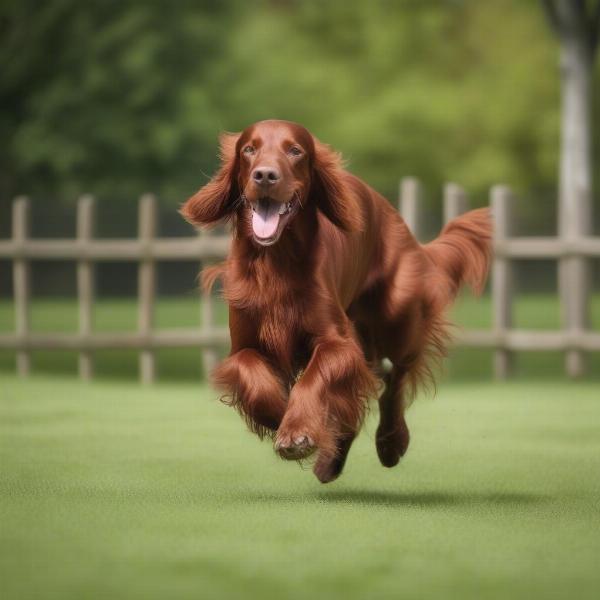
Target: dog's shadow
(428,499)
(356,497)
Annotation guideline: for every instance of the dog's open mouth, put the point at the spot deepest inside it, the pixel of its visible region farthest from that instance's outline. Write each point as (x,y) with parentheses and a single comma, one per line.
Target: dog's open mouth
(269,217)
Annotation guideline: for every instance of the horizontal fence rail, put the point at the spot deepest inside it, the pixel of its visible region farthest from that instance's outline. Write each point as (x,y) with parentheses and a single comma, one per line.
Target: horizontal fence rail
(164,338)
(147,249)
(215,247)
(547,248)
(529,340)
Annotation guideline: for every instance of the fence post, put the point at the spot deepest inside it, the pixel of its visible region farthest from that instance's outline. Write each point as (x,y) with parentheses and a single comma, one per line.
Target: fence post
(502,279)
(411,195)
(574,281)
(209,355)
(21,281)
(455,201)
(85,281)
(147,219)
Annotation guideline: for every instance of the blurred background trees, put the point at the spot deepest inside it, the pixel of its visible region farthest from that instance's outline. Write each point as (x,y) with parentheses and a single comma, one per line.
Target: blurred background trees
(117,98)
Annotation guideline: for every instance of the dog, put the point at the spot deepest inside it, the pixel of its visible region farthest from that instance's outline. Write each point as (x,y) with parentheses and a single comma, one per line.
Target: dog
(324,280)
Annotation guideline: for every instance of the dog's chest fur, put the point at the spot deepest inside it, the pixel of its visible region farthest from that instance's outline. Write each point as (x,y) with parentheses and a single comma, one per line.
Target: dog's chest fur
(279,328)
(274,305)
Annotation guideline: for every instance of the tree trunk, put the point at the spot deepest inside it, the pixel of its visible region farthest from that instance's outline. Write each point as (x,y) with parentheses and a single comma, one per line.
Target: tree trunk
(575,184)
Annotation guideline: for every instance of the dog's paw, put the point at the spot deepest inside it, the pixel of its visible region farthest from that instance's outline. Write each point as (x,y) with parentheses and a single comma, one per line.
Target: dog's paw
(294,447)
(392,445)
(328,469)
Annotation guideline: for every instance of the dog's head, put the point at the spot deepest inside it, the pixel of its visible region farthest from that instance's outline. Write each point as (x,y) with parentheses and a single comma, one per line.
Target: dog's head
(270,173)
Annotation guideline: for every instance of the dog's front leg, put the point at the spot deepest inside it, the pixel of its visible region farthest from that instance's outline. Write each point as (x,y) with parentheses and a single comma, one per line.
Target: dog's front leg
(254,388)
(329,399)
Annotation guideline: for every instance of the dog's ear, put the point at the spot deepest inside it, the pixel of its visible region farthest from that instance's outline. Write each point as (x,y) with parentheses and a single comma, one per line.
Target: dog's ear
(217,200)
(335,198)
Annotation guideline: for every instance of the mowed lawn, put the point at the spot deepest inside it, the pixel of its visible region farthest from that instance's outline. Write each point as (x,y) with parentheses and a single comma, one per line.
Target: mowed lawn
(110,490)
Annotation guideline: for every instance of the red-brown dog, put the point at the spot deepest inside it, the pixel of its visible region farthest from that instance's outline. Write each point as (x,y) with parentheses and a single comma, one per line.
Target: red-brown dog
(323,281)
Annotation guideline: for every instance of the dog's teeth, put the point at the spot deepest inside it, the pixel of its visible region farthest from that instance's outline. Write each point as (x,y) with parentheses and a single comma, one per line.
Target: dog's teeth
(283,209)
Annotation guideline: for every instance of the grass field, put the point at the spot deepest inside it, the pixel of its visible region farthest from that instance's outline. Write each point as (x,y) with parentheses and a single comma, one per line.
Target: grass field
(110,490)
(533,311)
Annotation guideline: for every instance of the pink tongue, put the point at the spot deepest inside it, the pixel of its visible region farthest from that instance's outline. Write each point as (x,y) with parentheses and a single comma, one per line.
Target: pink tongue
(265,218)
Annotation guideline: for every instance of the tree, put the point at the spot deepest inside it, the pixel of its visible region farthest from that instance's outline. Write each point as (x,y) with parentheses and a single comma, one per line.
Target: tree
(118,98)
(91,95)
(577,25)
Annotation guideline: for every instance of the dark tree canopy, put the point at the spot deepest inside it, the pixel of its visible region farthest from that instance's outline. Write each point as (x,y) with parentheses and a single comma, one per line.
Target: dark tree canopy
(118,98)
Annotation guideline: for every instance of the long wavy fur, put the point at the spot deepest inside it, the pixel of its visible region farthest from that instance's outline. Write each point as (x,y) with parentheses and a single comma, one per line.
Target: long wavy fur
(346,286)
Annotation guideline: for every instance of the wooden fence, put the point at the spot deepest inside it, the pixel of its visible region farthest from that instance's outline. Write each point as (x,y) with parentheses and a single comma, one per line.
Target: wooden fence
(146,250)
(575,339)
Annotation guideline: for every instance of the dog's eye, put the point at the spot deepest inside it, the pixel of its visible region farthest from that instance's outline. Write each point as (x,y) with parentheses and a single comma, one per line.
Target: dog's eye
(295,151)
(248,150)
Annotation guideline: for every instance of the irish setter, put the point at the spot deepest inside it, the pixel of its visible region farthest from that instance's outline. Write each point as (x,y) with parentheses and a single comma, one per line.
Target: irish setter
(324,280)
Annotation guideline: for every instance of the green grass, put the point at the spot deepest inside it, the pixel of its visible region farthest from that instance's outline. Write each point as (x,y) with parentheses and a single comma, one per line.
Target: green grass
(110,490)
(534,311)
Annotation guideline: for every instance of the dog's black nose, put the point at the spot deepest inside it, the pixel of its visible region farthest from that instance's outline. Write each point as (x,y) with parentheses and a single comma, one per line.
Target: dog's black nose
(265,175)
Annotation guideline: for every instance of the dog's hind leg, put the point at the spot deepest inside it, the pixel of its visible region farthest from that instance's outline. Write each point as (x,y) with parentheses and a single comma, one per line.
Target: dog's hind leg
(392,436)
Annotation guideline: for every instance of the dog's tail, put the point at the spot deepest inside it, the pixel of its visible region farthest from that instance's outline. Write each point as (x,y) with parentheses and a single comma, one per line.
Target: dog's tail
(463,250)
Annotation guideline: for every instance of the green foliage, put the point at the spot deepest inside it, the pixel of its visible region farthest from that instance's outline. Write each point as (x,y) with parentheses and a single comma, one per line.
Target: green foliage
(123,97)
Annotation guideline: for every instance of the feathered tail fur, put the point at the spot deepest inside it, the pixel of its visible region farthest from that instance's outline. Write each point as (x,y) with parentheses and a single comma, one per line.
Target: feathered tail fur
(463,250)
(461,254)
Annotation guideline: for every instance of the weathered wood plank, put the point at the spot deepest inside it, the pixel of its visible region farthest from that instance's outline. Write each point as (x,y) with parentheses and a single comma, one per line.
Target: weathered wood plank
(147,284)
(21,211)
(574,278)
(209,355)
(502,279)
(192,248)
(529,340)
(164,338)
(547,247)
(85,283)
(515,339)
(455,201)
(216,247)
(410,202)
